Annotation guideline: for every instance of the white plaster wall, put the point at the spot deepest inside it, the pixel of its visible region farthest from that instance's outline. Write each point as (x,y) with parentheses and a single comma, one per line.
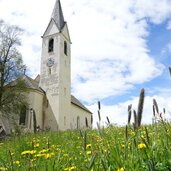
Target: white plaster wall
(64,85)
(77,111)
(36,102)
(50,120)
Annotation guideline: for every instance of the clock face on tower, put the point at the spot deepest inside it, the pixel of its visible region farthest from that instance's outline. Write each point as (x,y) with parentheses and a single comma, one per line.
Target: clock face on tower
(50,62)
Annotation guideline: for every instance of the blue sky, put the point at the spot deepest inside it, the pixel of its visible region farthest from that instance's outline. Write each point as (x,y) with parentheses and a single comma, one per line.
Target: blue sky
(118,47)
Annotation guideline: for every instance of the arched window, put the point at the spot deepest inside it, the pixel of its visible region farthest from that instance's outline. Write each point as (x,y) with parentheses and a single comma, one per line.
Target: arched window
(50,47)
(22,119)
(86,122)
(65,47)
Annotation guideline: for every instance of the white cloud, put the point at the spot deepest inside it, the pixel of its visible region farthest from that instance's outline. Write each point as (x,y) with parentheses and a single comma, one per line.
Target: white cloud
(169,25)
(154,10)
(169,47)
(113,55)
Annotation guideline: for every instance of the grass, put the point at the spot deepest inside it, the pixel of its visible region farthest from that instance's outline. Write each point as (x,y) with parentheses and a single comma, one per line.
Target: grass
(134,147)
(114,149)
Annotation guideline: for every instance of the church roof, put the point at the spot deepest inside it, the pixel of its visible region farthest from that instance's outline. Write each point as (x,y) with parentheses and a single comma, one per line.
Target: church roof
(29,83)
(78,103)
(57,15)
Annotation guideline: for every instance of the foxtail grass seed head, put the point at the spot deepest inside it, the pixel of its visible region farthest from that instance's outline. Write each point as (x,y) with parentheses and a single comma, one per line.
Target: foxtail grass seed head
(161,116)
(154,113)
(135,117)
(156,106)
(99,116)
(140,107)
(129,113)
(164,110)
(170,70)
(99,106)
(108,120)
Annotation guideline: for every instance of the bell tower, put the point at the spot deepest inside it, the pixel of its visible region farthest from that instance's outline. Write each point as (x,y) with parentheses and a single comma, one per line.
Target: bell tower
(55,71)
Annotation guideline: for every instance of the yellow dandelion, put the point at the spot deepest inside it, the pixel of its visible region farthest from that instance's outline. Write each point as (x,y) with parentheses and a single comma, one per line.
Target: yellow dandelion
(25,152)
(17,162)
(141,146)
(122,145)
(39,155)
(88,152)
(88,145)
(28,152)
(87,160)
(32,151)
(121,169)
(57,149)
(49,155)
(70,168)
(53,146)
(3,168)
(36,145)
(65,155)
(44,151)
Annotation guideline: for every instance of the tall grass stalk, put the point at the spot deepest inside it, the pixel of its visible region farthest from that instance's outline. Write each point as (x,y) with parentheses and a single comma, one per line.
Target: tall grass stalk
(140,107)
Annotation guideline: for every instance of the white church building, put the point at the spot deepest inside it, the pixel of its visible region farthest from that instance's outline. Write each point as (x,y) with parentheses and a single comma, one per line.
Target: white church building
(50,92)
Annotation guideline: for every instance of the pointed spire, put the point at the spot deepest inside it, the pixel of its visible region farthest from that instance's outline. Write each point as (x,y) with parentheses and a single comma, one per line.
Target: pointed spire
(57,15)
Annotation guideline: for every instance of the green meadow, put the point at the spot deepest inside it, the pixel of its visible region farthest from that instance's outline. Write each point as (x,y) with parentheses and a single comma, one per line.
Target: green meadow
(134,147)
(103,149)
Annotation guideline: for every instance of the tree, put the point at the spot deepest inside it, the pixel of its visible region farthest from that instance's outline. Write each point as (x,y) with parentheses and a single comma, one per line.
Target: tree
(11,67)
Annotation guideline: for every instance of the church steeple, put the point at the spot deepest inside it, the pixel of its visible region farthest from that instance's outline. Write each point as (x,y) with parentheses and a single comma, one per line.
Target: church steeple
(57,15)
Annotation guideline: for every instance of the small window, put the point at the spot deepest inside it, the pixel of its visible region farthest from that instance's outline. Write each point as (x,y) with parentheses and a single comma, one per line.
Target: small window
(65,47)
(50,47)
(22,119)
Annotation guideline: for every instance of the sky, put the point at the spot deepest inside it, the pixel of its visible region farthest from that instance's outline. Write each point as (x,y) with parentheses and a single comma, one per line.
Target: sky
(118,48)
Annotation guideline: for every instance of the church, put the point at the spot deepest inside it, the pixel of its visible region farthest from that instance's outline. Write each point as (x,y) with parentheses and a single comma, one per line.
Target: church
(50,92)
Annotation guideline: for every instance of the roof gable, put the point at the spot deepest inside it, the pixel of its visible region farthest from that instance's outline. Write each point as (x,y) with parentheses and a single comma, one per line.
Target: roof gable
(51,28)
